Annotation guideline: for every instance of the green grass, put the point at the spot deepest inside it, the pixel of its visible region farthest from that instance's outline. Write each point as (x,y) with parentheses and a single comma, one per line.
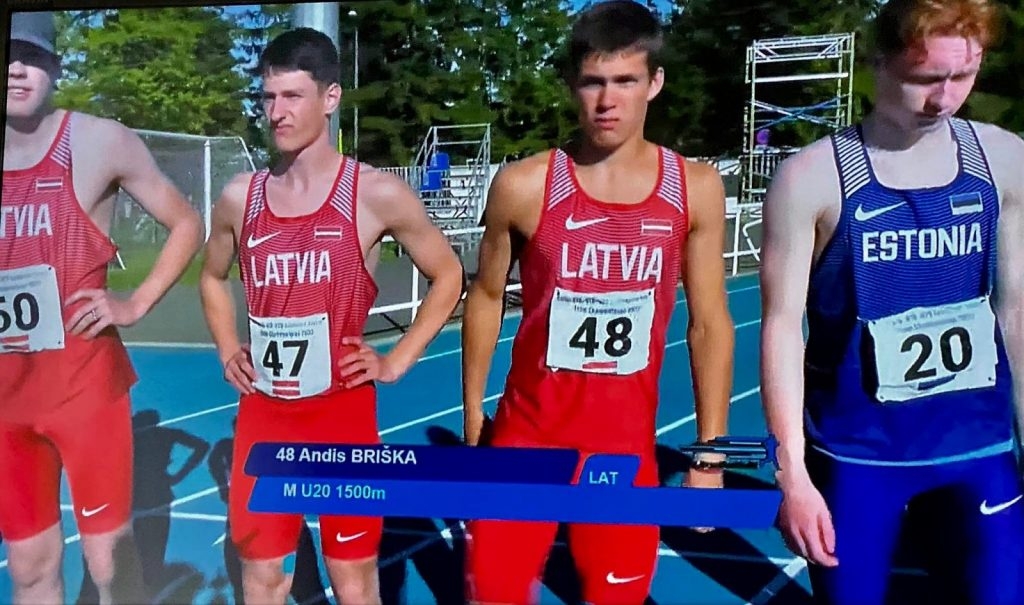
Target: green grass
(139,260)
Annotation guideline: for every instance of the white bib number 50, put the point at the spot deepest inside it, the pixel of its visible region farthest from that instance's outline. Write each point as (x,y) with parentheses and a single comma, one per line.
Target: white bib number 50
(607,333)
(30,313)
(291,355)
(927,351)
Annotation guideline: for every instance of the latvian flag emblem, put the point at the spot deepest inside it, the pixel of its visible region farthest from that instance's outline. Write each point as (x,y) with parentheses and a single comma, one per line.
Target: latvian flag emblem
(50,184)
(327,232)
(651,226)
(16,344)
(285,388)
(599,366)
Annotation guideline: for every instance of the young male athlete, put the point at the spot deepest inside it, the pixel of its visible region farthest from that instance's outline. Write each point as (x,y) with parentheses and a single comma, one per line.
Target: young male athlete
(304,231)
(904,236)
(603,231)
(64,374)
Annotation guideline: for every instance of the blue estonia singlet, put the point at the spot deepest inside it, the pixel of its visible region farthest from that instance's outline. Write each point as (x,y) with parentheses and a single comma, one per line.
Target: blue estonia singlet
(904,362)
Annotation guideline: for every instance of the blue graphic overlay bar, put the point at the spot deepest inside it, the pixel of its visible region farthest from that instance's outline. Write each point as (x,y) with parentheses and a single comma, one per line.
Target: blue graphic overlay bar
(605,469)
(416,462)
(665,506)
(528,484)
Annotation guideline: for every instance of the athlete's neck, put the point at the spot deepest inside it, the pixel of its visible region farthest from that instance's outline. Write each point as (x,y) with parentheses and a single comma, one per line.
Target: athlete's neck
(301,169)
(625,155)
(25,136)
(887,135)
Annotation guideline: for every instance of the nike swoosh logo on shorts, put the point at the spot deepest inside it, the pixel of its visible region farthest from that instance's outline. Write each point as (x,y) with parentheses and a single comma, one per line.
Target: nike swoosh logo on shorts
(252,243)
(865,215)
(343,539)
(88,513)
(991,510)
(572,225)
(612,579)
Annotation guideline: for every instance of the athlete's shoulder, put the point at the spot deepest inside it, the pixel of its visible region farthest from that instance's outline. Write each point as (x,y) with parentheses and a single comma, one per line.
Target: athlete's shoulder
(522,180)
(526,172)
(384,193)
(1000,145)
(700,174)
(517,187)
(377,182)
(1004,151)
(809,173)
(816,154)
(101,134)
(235,193)
(991,134)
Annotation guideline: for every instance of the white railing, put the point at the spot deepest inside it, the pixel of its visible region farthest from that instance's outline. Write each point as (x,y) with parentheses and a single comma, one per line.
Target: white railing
(734,213)
(414,300)
(743,216)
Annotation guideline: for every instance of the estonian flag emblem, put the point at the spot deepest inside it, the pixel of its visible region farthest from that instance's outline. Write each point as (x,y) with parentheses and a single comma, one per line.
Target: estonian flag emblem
(966,203)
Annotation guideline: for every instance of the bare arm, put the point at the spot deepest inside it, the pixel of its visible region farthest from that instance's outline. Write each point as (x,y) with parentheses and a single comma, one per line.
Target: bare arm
(1007,152)
(710,332)
(791,211)
(218,257)
(137,173)
(404,216)
(485,302)
(1010,295)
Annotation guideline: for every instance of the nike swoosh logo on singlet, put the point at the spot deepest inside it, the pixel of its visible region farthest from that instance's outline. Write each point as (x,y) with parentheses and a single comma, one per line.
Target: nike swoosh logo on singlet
(572,225)
(865,215)
(252,243)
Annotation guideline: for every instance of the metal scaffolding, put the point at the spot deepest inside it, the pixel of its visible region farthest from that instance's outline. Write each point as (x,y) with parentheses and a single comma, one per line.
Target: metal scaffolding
(827,59)
(803,81)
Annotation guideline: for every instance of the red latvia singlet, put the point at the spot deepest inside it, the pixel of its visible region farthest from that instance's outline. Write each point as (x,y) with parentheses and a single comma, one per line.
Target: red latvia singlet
(599,284)
(306,286)
(50,249)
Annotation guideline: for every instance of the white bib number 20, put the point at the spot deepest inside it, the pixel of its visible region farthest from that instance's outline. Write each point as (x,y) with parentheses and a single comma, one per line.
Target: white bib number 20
(30,310)
(291,355)
(607,333)
(927,351)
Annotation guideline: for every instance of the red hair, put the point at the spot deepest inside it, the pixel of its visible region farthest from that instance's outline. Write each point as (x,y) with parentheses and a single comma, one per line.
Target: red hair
(903,24)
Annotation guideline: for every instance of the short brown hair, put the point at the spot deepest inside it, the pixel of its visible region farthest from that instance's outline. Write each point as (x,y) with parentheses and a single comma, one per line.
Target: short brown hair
(902,24)
(613,26)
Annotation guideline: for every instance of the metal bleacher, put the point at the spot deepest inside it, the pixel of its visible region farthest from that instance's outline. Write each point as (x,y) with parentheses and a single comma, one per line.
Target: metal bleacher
(452,171)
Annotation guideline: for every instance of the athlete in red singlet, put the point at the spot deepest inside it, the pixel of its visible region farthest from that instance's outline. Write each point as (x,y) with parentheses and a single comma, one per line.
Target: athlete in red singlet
(64,374)
(306,233)
(603,232)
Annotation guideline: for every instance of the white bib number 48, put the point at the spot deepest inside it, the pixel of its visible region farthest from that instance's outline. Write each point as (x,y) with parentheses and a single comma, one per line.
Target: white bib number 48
(291,355)
(608,333)
(30,310)
(928,351)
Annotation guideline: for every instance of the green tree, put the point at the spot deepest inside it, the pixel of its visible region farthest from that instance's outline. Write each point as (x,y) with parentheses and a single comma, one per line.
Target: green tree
(457,62)
(254,28)
(168,69)
(399,91)
(524,60)
(999,94)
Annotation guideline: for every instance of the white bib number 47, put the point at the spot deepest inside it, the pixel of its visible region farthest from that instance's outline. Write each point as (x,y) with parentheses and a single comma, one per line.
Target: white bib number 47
(928,351)
(30,310)
(291,355)
(608,333)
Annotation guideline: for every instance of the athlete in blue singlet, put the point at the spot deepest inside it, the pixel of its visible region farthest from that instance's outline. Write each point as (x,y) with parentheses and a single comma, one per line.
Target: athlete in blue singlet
(903,238)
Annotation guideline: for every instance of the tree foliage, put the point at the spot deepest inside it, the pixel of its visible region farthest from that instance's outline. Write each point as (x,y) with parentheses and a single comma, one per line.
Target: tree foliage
(447,63)
(159,69)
